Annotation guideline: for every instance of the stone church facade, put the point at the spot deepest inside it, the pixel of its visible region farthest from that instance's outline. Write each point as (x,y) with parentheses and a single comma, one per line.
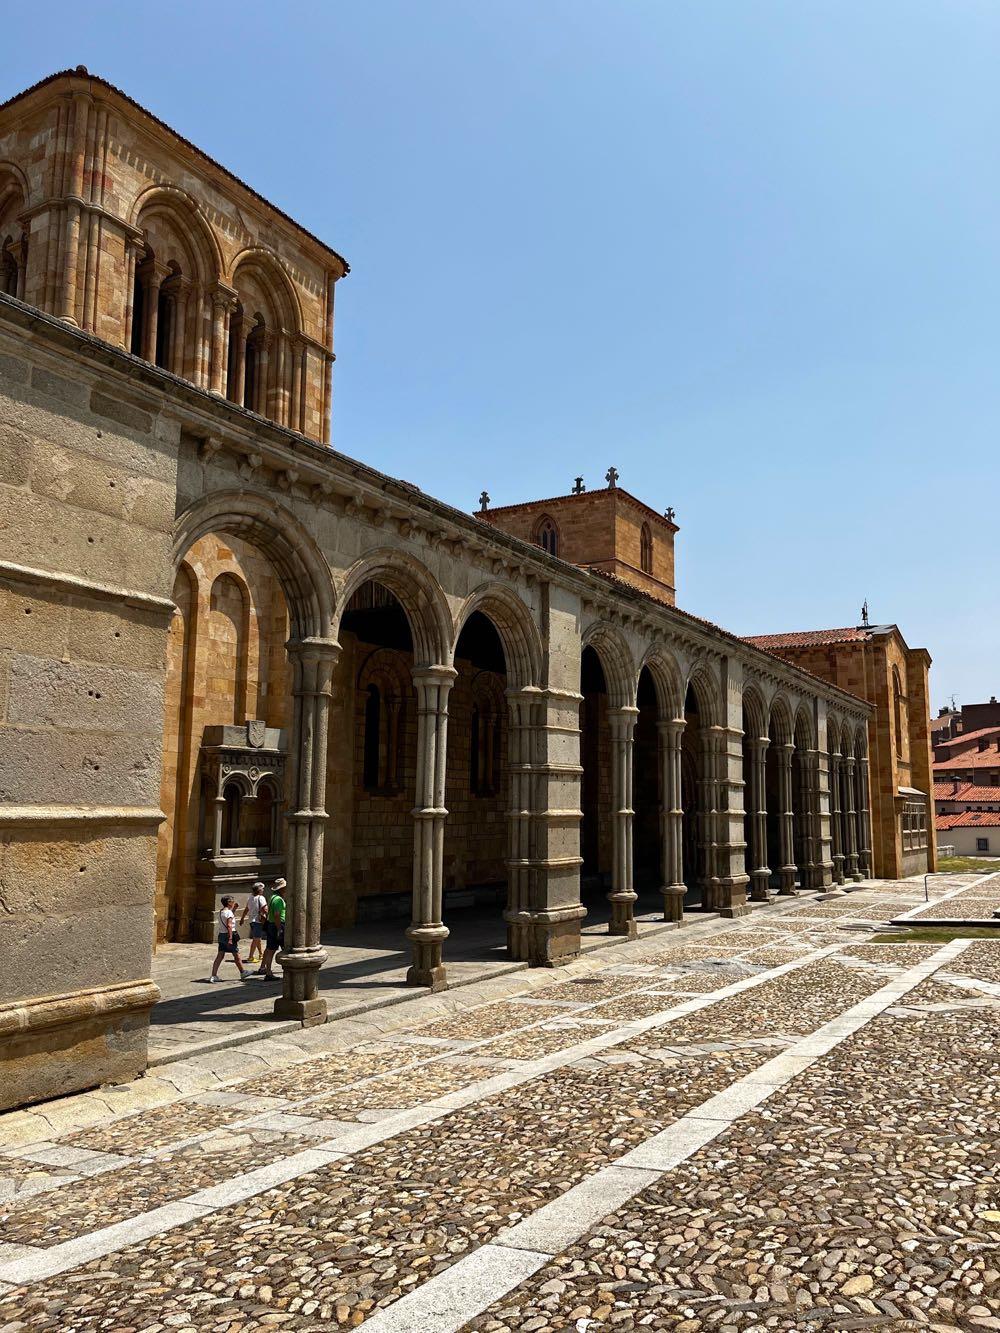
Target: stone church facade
(228,650)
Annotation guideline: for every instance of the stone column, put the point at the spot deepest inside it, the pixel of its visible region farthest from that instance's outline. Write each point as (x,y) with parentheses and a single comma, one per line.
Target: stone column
(729,876)
(707,811)
(295,404)
(180,291)
(760,874)
(851,821)
(671,819)
(621,722)
(543,751)
(864,821)
(153,279)
(786,822)
(312,662)
(428,932)
(836,827)
(133,248)
(264,344)
(243,331)
(223,306)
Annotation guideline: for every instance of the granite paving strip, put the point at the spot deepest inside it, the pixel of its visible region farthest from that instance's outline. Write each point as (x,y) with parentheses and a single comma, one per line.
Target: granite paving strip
(434,1309)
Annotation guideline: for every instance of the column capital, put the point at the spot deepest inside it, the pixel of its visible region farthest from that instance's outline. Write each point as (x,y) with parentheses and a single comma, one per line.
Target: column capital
(310,649)
(433,674)
(671,726)
(223,298)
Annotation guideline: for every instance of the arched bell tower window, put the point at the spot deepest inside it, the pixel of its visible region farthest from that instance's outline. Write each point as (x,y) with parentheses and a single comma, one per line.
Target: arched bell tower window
(547,536)
(646,549)
(372,764)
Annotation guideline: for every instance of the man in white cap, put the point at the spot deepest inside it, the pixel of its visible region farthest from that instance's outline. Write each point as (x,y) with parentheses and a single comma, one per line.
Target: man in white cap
(256,909)
(275,929)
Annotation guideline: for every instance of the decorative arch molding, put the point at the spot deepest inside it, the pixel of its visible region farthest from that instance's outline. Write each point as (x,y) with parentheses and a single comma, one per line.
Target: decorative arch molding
(178,206)
(419,594)
(780,725)
(803,733)
(861,741)
(667,681)
(616,661)
(704,684)
(271,274)
(276,532)
(755,712)
(519,635)
(834,731)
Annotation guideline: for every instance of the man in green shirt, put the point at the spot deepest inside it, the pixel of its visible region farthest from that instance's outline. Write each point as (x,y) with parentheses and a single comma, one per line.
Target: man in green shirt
(275,929)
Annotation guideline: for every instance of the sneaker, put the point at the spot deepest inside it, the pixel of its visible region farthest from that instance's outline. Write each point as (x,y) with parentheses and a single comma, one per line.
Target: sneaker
(213,980)
(260,972)
(244,976)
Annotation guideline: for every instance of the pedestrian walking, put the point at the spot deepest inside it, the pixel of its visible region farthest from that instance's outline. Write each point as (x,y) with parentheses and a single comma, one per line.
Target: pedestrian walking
(275,929)
(229,940)
(256,909)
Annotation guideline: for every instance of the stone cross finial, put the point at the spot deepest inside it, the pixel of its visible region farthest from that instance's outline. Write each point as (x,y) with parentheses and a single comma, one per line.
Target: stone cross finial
(611,477)
(484,502)
(669,515)
(578,486)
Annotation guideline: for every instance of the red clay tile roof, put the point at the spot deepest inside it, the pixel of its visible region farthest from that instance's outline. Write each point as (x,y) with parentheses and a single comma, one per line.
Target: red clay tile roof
(968,819)
(970,737)
(966,791)
(103,83)
(974,759)
(810,638)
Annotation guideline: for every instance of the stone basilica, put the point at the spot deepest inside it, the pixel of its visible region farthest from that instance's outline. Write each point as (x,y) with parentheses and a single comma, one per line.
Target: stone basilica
(229,652)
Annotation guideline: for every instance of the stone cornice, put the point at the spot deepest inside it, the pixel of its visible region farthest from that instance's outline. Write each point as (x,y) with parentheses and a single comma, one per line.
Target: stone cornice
(76,586)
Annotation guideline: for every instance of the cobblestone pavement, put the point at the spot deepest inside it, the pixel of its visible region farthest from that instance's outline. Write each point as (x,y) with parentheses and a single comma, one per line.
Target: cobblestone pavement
(773,1123)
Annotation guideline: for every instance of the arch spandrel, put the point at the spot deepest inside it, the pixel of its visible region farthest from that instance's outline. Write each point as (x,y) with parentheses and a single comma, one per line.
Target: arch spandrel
(616,661)
(301,568)
(418,593)
(513,621)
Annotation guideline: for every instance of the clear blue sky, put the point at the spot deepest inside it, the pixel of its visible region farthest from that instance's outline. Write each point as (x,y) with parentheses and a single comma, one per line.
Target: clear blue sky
(745,250)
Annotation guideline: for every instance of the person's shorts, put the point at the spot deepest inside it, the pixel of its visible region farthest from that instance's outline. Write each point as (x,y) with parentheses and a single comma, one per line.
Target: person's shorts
(257,930)
(226,947)
(275,935)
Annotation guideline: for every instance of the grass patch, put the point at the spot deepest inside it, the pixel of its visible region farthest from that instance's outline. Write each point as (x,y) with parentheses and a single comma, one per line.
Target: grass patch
(965,865)
(937,935)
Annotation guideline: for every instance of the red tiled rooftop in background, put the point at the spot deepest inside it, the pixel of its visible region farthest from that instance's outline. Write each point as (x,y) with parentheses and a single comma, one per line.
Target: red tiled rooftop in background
(969,737)
(966,791)
(972,759)
(968,819)
(810,638)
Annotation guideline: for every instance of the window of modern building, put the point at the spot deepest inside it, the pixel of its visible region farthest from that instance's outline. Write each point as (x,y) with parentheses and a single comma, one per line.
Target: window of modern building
(982,844)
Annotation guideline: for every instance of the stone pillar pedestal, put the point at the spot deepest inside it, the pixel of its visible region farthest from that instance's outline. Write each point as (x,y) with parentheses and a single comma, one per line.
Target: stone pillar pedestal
(864,821)
(622,896)
(671,819)
(302,956)
(428,932)
(836,819)
(786,818)
(730,878)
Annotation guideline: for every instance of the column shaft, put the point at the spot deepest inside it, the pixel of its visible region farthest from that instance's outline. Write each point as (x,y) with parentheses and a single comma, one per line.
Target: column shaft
(786,821)
(671,819)
(622,896)
(428,932)
(760,874)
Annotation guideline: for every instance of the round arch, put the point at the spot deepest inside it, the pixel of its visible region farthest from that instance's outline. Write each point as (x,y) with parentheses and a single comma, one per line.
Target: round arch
(755,711)
(174,204)
(803,734)
(522,644)
(616,663)
(702,682)
(779,723)
(267,269)
(667,681)
(276,532)
(419,594)
(833,735)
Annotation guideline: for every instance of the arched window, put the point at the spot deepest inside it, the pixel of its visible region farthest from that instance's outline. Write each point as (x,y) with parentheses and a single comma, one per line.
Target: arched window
(899,713)
(164,329)
(646,549)
(372,766)
(547,536)
(258,815)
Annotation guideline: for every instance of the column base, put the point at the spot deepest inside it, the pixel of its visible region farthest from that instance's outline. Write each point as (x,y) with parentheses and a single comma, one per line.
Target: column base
(310,1013)
(731,897)
(786,882)
(673,902)
(622,919)
(760,886)
(427,968)
(299,983)
(549,938)
(740,909)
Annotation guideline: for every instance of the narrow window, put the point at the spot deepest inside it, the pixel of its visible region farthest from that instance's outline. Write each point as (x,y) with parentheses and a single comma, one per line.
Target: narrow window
(646,549)
(474,752)
(548,536)
(164,320)
(373,739)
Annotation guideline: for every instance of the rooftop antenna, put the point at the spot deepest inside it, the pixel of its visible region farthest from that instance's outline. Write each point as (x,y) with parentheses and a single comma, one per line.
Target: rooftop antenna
(864,614)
